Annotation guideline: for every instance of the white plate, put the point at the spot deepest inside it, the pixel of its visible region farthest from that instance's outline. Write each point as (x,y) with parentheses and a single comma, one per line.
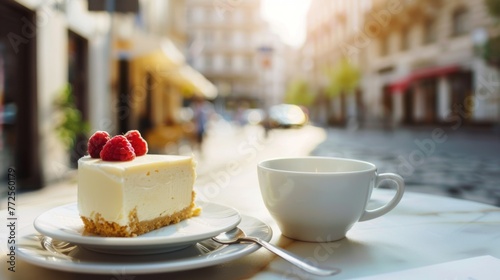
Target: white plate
(46,252)
(63,223)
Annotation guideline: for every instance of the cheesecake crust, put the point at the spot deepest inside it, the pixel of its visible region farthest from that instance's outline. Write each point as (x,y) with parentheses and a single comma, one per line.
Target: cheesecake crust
(98,225)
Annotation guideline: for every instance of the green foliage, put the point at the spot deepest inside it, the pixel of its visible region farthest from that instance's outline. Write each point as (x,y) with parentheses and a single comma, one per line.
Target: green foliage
(493,7)
(299,93)
(343,77)
(70,123)
(492,51)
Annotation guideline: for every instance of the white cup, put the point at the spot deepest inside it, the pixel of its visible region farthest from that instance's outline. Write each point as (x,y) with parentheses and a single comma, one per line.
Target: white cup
(318,199)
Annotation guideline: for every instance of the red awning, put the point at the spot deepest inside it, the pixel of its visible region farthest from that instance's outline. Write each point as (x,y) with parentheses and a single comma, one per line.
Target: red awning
(403,84)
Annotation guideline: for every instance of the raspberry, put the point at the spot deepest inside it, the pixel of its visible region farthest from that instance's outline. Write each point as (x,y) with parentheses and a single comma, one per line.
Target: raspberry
(118,148)
(96,142)
(140,145)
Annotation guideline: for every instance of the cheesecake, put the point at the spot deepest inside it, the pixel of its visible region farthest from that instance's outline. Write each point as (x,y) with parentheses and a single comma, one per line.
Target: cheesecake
(130,198)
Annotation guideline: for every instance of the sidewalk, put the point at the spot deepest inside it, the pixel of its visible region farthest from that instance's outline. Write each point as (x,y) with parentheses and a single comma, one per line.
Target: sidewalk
(231,156)
(246,146)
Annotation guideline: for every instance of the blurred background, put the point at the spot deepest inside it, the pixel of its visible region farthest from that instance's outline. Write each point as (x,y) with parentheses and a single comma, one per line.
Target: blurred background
(412,86)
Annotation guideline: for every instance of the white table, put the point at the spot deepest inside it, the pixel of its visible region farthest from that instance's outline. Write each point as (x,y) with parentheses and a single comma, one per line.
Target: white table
(422,230)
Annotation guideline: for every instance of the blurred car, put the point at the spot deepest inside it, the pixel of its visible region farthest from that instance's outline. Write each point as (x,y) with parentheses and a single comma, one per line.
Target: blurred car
(286,115)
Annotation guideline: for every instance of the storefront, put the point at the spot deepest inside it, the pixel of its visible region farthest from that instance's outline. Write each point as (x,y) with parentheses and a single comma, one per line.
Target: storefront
(19,141)
(152,83)
(430,95)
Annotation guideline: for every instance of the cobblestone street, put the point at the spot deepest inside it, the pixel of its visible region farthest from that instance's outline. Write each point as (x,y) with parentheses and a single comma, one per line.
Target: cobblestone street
(462,163)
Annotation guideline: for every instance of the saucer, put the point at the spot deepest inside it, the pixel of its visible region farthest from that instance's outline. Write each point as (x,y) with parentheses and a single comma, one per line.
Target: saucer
(50,253)
(63,223)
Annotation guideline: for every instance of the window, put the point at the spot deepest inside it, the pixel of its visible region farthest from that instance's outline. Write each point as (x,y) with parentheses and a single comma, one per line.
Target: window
(332,33)
(405,39)
(384,46)
(208,62)
(226,62)
(198,62)
(430,32)
(216,16)
(239,16)
(340,31)
(248,16)
(218,61)
(247,62)
(237,62)
(217,36)
(208,37)
(197,14)
(459,22)
(238,38)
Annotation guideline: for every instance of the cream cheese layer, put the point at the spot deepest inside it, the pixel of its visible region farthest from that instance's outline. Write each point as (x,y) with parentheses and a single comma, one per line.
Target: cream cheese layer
(154,185)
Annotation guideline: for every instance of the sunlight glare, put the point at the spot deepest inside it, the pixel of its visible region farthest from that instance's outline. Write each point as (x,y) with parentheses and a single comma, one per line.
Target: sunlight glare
(287,18)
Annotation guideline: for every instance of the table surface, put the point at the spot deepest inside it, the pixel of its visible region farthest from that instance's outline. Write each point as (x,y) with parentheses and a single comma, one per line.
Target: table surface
(422,230)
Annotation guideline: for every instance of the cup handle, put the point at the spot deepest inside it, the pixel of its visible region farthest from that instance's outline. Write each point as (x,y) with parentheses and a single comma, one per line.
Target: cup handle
(400,186)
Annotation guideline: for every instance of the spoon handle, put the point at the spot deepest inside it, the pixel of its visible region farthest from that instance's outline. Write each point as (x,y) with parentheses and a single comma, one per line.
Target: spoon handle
(292,258)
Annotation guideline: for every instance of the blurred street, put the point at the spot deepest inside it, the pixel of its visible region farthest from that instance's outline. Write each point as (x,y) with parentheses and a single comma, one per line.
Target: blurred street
(462,163)
(231,154)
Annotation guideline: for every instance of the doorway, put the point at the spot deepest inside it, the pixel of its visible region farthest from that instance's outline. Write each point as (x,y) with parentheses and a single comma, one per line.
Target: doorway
(408,111)
(18,96)
(429,89)
(78,79)
(461,91)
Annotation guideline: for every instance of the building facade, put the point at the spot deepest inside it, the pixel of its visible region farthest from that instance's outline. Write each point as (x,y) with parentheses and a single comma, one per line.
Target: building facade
(423,65)
(54,46)
(157,76)
(420,61)
(331,25)
(123,70)
(225,43)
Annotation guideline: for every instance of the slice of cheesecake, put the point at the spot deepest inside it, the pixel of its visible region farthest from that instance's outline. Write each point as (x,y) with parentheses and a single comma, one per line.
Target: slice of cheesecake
(130,198)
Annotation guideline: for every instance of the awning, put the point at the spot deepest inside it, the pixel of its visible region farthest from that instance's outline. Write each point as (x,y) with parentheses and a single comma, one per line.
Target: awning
(191,81)
(142,44)
(162,57)
(402,85)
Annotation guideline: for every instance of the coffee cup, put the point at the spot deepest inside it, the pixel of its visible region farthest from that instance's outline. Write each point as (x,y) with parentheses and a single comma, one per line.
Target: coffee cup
(318,199)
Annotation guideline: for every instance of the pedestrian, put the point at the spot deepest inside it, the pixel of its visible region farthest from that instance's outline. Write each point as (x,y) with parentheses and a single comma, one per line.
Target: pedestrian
(202,110)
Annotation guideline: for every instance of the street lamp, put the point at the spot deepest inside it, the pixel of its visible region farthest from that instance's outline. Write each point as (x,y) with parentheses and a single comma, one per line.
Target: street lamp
(265,54)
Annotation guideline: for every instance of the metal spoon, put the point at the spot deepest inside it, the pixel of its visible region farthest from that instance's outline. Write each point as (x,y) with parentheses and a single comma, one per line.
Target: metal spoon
(237,235)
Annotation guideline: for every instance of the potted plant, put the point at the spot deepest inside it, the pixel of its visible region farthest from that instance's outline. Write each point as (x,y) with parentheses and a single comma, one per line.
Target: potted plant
(70,127)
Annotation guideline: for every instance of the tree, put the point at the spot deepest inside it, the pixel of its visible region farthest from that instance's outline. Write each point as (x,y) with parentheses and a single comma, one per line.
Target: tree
(493,7)
(491,51)
(299,93)
(343,79)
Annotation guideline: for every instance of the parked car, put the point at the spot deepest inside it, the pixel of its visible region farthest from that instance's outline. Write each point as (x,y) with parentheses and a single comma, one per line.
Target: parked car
(286,115)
